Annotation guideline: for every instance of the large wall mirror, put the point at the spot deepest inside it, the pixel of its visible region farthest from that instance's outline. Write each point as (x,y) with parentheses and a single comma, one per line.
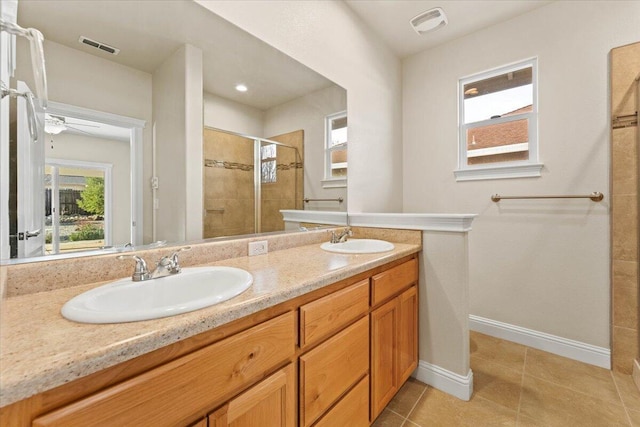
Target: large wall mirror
(169,124)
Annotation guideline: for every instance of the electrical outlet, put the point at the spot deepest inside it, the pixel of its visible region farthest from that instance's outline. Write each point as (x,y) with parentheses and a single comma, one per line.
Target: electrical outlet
(258,248)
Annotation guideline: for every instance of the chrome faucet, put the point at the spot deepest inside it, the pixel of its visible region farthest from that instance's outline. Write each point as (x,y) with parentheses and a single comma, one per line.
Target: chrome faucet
(167,266)
(341,237)
(141,271)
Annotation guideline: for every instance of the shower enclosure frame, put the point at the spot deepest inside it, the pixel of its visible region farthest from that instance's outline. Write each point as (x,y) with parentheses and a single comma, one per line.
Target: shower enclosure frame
(257,170)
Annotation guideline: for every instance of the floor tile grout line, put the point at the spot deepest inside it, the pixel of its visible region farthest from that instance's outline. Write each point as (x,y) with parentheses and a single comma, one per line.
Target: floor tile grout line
(624,405)
(619,403)
(404,419)
(504,365)
(414,406)
(524,367)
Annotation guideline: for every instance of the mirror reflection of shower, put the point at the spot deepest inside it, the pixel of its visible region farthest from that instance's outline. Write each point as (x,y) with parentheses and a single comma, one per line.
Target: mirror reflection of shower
(248,180)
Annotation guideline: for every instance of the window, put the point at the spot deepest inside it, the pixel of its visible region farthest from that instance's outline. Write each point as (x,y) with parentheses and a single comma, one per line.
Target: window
(498,124)
(78,205)
(268,155)
(335,174)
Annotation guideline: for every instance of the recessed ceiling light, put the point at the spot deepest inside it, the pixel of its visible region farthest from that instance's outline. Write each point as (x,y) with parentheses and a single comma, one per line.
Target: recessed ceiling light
(430,20)
(241,88)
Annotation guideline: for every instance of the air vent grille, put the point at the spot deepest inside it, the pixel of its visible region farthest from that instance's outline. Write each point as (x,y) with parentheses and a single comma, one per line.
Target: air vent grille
(430,20)
(103,47)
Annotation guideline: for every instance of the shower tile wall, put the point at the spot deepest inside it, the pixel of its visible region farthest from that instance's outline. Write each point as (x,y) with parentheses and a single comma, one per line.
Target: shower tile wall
(287,191)
(625,66)
(228,184)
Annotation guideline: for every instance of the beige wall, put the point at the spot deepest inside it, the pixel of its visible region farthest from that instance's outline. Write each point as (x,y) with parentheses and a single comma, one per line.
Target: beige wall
(329,38)
(221,113)
(84,80)
(625,66)
(286,192)
(542,264)
(308,113)
(229,197)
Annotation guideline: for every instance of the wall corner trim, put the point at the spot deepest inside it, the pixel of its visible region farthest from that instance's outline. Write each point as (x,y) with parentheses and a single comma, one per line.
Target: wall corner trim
(314,217)
(460,386)
(460,223)
(576,350)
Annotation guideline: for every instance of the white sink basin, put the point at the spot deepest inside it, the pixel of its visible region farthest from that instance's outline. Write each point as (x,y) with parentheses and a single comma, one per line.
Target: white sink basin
(127,301)
(359,246)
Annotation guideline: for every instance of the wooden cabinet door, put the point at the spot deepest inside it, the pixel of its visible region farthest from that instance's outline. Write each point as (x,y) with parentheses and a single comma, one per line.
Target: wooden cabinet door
(384,342)
(270,403)
(331,369)
(351,411)
(407,333)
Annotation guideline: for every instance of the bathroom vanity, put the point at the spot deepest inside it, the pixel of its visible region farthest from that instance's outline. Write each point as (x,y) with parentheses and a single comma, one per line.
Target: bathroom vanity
(331,349)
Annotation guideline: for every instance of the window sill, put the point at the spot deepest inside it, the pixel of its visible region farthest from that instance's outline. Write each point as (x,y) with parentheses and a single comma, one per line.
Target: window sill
(334,183)
(529,170)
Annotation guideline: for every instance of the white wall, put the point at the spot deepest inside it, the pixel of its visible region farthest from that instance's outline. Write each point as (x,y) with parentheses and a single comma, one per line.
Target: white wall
(542,264)
(177,118)
(329,38)
(224,114)
(308,113)
(194,154)
(83,80)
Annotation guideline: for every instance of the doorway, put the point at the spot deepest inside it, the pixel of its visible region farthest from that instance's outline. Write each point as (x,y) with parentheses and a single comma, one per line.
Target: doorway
(78,206)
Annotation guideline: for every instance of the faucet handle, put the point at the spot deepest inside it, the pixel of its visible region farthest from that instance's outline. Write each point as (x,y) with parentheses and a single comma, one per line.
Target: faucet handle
(141,271)
(174,259)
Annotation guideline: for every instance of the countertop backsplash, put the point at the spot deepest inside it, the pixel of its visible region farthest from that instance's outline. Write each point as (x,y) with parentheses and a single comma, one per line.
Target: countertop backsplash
(41,276)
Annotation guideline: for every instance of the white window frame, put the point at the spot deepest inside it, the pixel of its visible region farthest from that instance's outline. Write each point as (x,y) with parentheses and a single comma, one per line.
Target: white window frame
(500,170)
(264,160)
(107,170)
(328,181)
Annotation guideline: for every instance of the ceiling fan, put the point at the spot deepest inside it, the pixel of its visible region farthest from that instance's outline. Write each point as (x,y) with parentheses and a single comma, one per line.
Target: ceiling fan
(54,125)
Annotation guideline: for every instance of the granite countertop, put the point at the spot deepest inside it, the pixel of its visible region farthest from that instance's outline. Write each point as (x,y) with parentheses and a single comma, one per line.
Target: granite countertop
(40,350)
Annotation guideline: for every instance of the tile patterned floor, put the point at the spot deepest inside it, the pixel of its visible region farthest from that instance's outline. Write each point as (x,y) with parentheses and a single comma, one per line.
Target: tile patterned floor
(520,386)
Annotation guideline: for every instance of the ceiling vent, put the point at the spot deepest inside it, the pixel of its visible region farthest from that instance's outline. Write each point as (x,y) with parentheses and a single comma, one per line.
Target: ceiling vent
(430,20)
(103,47)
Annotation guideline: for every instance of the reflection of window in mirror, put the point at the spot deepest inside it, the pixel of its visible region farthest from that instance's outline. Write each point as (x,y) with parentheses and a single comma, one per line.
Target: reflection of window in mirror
(268,166)
(498,122)
(335,150)
(77,206)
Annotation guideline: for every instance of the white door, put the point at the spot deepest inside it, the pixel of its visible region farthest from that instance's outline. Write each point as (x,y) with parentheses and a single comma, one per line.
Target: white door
(8,13)
(30,178)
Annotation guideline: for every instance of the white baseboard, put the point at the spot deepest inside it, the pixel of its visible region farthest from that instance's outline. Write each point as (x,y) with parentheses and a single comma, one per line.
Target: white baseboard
(587,353)
(444,380)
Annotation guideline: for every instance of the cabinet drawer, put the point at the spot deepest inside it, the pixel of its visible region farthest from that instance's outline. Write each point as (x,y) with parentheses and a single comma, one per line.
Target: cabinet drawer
(178,391)
(330,369)
(392,281)
(352,410)
(323,317)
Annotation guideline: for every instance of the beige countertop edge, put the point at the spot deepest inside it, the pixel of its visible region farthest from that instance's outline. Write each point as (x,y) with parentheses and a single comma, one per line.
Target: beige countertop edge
(41,350)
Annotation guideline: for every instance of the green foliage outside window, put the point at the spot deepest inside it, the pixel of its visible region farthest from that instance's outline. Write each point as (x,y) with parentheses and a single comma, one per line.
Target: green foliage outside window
(87,232)
(92,197)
